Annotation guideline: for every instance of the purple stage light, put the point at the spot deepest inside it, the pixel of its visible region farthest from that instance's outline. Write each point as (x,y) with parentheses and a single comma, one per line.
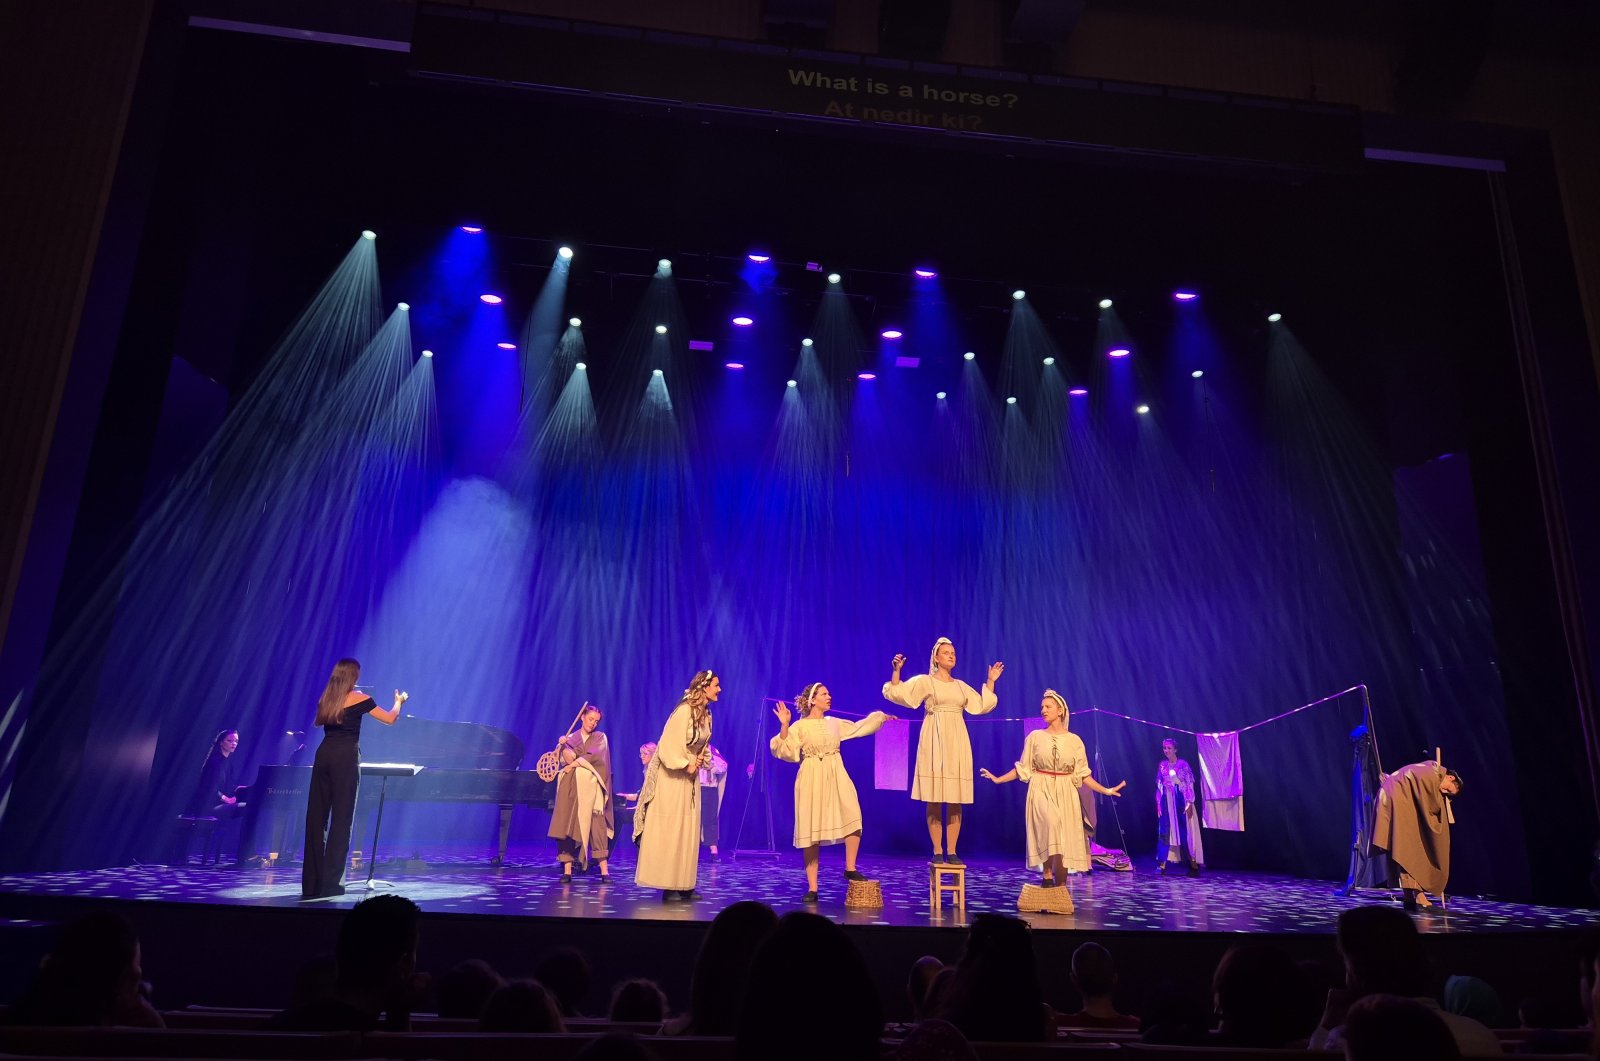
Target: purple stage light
(813,267)
(891,333)
(1118,351)
(702,344)
(1078,392)
(759,259)
(743,322)
(474,229)
(867,375)
(907,362)
(734,365)
(1185,296)
(925,274)
(506,346)
(493,300)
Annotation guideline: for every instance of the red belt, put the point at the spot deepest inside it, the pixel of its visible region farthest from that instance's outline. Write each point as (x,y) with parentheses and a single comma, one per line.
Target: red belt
(1052,773)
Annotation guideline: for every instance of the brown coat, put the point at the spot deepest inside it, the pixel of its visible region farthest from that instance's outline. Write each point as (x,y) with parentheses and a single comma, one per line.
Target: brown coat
(564,818)
(1413,824)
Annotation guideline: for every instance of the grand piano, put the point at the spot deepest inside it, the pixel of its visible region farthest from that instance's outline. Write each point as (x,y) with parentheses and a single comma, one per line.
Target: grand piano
(463,762)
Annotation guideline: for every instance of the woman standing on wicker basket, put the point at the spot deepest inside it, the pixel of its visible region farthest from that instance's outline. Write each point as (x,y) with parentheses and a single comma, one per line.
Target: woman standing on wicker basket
(1055,765)
(666,825)
(826,808)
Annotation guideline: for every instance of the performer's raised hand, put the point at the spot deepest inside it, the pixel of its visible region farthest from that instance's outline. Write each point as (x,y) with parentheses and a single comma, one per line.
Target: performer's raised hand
(1116,789)
(899,661)
(400,697)
(995,670)
(783,713)
(986,774)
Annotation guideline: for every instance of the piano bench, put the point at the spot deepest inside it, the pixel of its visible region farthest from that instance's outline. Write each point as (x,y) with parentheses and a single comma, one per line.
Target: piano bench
(190,827)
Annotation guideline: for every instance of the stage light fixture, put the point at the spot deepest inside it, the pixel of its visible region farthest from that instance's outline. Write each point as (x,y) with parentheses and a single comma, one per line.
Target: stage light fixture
(574,322)
(1105,303)
(791,383)
(1185,296)
(1274,317)
(1018,295)
(759,259)
(471,229)
(506,346)
(403,307)
(1049,360)
(1011,401)
(1078,392)
(925,274)
(805,342)
(427,353)
(1141,409)
(834,278)
(1118,351)
(867,375)
(1197,373)
(664,264)
(655,372)
(968,356)
(734,365)
(661,329)
(940,395)
(367,233)
(564,253)
(891,333)
(743,322)
(581,367)
(493,300)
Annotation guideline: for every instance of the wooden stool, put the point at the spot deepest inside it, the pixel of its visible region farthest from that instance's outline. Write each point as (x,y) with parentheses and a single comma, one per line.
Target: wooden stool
(867,894)
(938,888)
(1035,899)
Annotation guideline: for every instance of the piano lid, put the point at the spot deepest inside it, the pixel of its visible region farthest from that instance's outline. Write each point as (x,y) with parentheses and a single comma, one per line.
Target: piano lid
(441,745)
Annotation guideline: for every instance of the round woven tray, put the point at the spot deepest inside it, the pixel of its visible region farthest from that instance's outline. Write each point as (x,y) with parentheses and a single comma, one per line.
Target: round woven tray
(1035,899)
(864,893)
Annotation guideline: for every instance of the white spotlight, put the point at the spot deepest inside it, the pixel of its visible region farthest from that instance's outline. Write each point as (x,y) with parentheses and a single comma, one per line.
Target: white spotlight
(664,263)
(574,322)
(834,278)
(968,356)
(427,353)
(1011,401)
(1141,409)
(564,253)
(940,396)
(581,367)
(367,233)
(403,307)
(661,329)
(1274,317)
(1105,303)
(655,372)
(1197,373)
(1019,294)
(1049,360)
(805,342)
(792,383)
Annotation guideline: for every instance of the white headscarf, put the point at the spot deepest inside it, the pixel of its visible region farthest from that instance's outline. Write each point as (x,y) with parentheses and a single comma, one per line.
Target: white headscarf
(932,666)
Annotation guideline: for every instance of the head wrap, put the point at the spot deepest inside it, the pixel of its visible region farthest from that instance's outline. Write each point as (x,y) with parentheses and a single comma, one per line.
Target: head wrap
(1058,698)
(932,666)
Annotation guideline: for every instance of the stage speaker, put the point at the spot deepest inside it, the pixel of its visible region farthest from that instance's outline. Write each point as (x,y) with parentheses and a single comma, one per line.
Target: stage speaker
(913,29)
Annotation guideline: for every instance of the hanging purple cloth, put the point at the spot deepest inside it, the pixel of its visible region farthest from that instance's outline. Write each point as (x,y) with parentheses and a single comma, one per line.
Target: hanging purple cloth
(891,756)
(1221,781)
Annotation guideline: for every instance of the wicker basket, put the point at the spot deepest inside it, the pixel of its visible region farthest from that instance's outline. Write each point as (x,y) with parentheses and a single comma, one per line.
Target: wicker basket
(1035,899)
(864,893)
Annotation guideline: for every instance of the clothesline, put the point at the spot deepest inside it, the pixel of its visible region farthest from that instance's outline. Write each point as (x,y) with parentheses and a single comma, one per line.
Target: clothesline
(1361,687)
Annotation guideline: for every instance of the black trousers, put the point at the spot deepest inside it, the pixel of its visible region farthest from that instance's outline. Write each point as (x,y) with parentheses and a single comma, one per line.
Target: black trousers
(330,811)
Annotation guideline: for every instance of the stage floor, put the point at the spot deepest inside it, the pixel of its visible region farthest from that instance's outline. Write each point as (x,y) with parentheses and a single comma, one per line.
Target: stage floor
(1137,901)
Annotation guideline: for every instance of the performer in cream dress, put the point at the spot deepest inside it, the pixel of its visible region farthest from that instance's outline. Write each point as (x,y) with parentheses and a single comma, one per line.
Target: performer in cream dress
(666,825)
(944,751)
(1055,765)
(826,809)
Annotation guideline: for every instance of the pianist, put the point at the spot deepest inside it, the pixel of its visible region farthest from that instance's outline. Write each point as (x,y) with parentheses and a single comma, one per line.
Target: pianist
(583,821)
(216,794)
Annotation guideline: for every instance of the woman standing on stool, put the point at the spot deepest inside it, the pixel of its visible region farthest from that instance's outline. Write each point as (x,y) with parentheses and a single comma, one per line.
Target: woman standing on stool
(335,775)
(666,825)
(944,751)
(1178,827)
(826,808)
(1054,766)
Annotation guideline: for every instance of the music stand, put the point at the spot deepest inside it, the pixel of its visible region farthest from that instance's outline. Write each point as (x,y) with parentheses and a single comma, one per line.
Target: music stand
(385,771)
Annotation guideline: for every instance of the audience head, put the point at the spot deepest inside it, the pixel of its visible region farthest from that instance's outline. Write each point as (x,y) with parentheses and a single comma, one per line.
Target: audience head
(564,972)
(521,1006)
(1094,974)
(91,977)
(722,968)
(1389,1028)
(1588,957)
(995,996)
(923,972)
(808,952)
(1383,953)
(638,1002)
(462,990)
(1175,1014)
(1261,998)
(377,948)
(1468,996)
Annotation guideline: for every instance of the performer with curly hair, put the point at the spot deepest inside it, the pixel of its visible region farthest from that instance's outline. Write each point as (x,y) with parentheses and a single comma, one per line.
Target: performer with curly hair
(666,825)
(826,808)
(1055,765)
(944,750)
